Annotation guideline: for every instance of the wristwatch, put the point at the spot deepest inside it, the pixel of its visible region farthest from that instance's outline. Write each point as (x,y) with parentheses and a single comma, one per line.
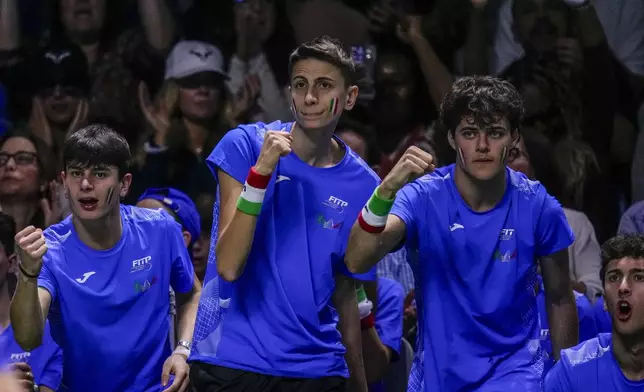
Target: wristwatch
(185,344)
(35,388)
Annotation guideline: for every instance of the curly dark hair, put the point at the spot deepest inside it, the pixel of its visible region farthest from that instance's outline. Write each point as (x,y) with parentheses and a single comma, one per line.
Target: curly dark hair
(620,246)
(484,97)
(329,50)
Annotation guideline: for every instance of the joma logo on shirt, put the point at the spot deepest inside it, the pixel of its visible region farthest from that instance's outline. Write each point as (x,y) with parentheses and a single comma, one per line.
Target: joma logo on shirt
(142,287)
(143,264)
(19,356)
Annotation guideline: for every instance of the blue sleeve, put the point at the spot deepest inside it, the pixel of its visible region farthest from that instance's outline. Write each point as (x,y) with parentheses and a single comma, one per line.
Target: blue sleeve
(405,207)
(553,232)
(46,278)
(233,154)
(557,380)
(389,315)
(52,374)
(628,222)
(182,272)
(587,324)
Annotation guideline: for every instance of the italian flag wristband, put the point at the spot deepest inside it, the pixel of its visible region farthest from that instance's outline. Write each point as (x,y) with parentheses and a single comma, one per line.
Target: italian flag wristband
(364,305)
(373,216)
(251,198)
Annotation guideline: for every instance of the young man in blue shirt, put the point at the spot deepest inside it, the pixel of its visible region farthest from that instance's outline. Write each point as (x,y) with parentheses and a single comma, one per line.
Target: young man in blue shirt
(101,276)
(43,367)
(288,193)
(611,361)
(474,232)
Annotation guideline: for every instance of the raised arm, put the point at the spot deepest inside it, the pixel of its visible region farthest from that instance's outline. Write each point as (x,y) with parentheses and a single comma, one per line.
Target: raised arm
(158,24)
(241,204)
(376,232)
(30,303)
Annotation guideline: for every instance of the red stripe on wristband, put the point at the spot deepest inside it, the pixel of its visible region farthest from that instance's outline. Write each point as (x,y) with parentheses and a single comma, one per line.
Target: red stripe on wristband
(368,322)
(367,227)
(257,180)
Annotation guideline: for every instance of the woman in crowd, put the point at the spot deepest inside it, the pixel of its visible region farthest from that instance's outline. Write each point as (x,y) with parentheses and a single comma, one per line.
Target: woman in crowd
(28,191)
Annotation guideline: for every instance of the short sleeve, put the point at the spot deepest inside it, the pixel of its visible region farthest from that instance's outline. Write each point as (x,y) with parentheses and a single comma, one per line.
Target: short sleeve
(52,373)
(182,272)
(46,278)
(389,314)
(405,208)
(234,155)
(553,232)
(629,222)
(556,379)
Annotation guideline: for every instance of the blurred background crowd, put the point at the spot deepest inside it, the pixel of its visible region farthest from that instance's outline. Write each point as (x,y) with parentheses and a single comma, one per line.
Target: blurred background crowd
(173,76)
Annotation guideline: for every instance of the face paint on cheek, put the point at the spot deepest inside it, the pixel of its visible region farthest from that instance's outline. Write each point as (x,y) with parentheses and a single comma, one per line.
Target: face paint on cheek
(461,156)
(333,106)
(110,193)
(504,154)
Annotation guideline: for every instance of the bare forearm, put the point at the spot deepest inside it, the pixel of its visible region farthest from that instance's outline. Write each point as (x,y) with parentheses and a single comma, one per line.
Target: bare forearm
(233,246)
(352,340)
(564,323)
(187,314)
(9,25)
(364,250)
(158,23)
(590,30)
(476,48)
(375,355)
(437,77)
(26,315)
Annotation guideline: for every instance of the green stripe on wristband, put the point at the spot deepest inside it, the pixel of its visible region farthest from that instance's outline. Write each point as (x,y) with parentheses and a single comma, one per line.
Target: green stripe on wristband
(360,293)
(248,207)
(379,206)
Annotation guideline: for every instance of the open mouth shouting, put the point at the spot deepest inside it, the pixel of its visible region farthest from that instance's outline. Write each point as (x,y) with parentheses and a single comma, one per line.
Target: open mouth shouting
(624,310)
(88,203)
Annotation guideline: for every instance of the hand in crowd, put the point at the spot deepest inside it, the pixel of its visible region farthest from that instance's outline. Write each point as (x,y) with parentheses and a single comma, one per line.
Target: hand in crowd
(251,35)
(176,365)
(50,204)
(381,16)
(413,164)
(410,28)
(277,144)
(23,375)
(31,248)
(246,98)
(158,113)
(40,126)
(479,4)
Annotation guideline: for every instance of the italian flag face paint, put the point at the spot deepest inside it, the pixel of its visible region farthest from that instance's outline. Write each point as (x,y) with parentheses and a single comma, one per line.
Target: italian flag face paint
(333,106)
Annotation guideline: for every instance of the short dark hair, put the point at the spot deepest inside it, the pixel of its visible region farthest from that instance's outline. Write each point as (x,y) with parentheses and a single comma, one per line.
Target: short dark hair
(620,246)
(484,97)
(329,50)
(97,145)
(7,233)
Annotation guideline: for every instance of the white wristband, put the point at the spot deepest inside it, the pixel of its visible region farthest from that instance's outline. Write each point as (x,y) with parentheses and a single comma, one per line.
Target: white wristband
(182,351)
(252,194)
(364,308)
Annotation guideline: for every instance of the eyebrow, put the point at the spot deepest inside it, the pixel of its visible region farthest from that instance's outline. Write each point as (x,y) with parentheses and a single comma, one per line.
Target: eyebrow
(320,79)
(631,271)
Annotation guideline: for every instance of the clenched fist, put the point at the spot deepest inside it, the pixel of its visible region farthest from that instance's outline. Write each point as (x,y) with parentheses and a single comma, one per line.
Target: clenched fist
(31,248)
(413,164)
(277,144)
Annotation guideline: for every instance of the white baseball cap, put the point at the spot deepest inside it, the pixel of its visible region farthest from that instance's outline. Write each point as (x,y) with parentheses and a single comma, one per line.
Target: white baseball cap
(191,57)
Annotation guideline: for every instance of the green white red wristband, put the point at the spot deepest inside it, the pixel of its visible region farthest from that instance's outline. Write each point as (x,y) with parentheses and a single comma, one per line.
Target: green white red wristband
(364,305)
(252,196)
(373,216)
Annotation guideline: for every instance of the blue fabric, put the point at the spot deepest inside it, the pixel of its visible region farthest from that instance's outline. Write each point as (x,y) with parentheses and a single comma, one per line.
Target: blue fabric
(279,317)
(109,310)
(590,367)
(475,278)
